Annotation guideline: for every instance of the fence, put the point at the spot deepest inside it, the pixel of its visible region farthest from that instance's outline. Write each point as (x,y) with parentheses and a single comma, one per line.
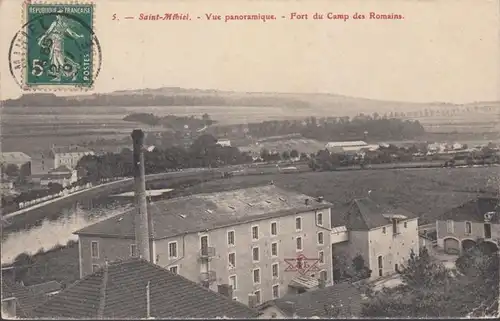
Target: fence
(65,192)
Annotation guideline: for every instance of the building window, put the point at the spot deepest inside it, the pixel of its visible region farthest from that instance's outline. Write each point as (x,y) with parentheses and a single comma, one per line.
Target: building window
(320,238)
(396,267)
(133,250)
(298,223)
(468,227)
(380,266)
(230,238)
(255,232)
(257,296)
(299,243)
(232,282)
(276,291)
(487,231)
(95,267)
(394,226)
(255,254)
(323,275)
(274,228)
(174,269)
(321,257)
(319,219)
(384,230)
(275,269)
(274,249)
(232,260)
(256,276)
(172,250)
(405,224)
(449,226)
(204,244)
(94,249)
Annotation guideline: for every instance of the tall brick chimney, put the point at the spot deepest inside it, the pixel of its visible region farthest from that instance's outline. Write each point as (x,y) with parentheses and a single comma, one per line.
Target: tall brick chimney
(142,221)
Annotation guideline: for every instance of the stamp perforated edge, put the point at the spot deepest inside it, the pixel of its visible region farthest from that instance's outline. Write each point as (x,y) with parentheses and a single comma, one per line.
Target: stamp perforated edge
(62,87)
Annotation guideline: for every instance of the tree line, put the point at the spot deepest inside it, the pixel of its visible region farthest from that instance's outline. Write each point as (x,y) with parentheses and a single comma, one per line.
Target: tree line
(203,152)
(361,127)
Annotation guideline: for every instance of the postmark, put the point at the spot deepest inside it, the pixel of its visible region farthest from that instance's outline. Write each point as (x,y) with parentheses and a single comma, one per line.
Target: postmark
(56,48)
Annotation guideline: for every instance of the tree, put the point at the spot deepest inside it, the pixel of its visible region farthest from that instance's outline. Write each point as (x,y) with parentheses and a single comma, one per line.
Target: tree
(294,153)
(285,155)
(55,188)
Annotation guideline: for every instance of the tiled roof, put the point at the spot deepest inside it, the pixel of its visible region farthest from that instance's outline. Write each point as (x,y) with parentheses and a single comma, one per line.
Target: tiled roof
(365,214)
(47,287)
(200,212)
(27,299)
(344,298)
(119,291)
(14,157)
(474,210)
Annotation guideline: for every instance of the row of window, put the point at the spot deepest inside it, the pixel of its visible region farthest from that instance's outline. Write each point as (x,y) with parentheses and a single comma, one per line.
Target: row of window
(256,255)
(172,248)
(274,228)
(450,227)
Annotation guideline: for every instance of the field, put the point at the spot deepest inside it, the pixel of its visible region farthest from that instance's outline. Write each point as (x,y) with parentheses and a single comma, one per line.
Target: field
(33,129)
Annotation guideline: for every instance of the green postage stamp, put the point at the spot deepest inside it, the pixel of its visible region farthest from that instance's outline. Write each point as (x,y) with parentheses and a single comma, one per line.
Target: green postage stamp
(61,50)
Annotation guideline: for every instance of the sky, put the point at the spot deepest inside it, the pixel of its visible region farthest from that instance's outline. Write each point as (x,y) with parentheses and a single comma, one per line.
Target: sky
(443,50)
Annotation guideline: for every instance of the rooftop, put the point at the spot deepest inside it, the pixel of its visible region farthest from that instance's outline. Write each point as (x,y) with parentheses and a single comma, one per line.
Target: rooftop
(199,212)
(26,299)
(14,157)
(119,291)
(366,214)
(45,288)
(342,300)
(475,210)
(61,169)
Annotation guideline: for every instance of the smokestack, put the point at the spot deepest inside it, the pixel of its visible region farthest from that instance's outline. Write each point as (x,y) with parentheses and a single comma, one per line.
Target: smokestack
(142,222)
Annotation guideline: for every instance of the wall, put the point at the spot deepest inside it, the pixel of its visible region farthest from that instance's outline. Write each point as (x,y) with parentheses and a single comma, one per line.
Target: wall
(69,160)
(189,265)
(395,249)
(459,231)
(344,253)
(110,249)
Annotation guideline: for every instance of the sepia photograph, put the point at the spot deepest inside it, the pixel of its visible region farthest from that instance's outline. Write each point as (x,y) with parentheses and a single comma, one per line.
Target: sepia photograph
(250,159)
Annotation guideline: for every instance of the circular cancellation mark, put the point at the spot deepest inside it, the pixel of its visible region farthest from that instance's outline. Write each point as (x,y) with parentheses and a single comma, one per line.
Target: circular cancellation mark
(77,68)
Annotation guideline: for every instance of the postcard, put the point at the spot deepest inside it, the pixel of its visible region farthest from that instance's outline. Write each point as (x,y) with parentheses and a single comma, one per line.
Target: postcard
(250,159)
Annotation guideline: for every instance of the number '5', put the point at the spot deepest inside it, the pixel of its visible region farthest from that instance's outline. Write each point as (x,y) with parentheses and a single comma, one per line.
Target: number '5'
(37,68)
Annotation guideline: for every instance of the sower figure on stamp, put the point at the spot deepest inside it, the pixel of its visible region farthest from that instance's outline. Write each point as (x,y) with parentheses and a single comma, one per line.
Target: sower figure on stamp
(53,39)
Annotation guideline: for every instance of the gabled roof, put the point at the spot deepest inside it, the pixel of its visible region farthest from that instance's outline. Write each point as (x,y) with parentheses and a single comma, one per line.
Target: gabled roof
(26,299)
(199,212)
(344,298)
(365,214)
(474,210)
(119,291)
(14,158)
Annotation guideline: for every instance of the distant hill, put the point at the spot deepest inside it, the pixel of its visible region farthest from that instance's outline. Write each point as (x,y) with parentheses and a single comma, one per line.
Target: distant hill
(174,96)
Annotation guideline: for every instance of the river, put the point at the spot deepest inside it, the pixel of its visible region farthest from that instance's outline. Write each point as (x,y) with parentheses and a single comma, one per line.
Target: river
(49,234)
